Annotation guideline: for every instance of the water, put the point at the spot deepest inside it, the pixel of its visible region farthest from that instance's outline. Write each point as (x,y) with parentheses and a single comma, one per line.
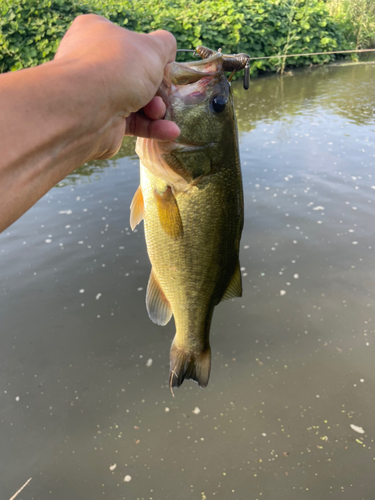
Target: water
(87,415)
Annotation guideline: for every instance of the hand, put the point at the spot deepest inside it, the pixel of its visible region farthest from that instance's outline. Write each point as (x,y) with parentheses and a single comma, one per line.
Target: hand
(130,68)
(76,108)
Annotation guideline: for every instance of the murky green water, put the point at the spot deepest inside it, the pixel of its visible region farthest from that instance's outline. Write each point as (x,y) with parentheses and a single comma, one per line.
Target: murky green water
(82,406)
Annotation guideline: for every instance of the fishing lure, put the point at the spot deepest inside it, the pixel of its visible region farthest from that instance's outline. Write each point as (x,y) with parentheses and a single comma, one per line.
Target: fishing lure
(231,62)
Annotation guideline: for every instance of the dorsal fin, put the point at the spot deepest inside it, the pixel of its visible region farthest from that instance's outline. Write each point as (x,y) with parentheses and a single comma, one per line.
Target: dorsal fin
(158,307)
(136,209)
(235,286)
(169,213)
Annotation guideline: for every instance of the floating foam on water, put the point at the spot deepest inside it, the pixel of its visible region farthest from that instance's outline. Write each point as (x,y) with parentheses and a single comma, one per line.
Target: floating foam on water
(356,428)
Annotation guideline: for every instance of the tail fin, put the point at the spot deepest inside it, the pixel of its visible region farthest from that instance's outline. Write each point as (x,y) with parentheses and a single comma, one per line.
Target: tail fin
(189,365)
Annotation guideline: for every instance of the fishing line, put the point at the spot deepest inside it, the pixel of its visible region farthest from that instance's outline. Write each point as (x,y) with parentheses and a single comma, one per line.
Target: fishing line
(313,54)
(242,61)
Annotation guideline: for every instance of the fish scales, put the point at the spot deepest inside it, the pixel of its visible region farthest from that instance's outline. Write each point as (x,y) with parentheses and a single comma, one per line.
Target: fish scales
(193,228)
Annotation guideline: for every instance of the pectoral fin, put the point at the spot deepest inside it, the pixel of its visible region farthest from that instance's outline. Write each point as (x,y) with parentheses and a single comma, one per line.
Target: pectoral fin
(169,213)
(158,307)
(136,209)
(235,286)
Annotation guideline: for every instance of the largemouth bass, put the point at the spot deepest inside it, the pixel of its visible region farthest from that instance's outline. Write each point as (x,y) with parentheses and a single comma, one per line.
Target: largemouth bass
(191,200)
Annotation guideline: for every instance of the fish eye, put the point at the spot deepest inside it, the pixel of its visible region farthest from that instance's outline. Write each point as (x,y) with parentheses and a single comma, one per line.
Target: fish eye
(218,103)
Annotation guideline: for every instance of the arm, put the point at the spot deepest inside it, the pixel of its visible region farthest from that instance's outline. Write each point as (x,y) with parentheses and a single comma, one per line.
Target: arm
(77,108)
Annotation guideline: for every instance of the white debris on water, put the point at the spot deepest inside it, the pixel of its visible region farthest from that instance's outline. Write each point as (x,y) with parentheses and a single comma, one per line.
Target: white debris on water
(112,467)
(166,409)
(66,212)
(48,241)
(296,276)
(127,478)
(140,289)
(282,292)
(357,429)
(318,208)
(82,290)
(149,362)
(98,296)
(196,410)
(17,398)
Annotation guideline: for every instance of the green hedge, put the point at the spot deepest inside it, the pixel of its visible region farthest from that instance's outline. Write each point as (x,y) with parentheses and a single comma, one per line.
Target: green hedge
(30,30)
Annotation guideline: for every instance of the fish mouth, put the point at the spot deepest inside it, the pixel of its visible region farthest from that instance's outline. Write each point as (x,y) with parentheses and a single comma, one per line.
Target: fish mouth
(191,72)
(189,80)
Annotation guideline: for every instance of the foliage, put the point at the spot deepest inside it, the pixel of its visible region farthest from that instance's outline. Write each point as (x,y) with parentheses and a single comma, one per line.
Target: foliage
(30,30)
(357,18)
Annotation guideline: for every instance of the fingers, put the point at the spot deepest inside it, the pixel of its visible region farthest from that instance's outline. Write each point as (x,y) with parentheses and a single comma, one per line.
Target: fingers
(155,109)
(142,126)
(165,45)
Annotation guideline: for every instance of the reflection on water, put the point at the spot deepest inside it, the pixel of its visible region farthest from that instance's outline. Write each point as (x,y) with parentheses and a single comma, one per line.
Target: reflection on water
(94,167)
(309,92)
(85,408)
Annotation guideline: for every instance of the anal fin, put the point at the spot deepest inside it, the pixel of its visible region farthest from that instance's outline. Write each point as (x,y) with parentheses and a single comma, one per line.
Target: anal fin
(235,286)
(158,307)
(136,209)
(169,213)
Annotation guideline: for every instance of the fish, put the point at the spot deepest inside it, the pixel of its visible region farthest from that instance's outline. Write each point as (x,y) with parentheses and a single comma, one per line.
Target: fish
(191,200)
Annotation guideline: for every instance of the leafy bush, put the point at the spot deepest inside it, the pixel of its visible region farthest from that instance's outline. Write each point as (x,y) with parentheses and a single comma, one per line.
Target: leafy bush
(30,30)
(257,27)
(357,18)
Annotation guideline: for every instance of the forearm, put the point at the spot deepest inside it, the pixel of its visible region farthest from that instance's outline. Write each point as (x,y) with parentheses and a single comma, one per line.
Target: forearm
(55,117)
(49,127)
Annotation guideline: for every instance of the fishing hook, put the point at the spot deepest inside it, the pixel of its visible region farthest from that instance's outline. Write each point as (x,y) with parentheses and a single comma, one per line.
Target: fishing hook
(231,62)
